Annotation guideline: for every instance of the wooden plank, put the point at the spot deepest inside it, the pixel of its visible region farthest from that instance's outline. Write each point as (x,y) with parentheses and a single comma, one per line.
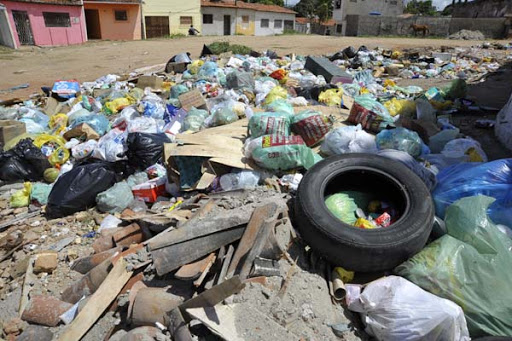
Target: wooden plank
(194,270)
(28,282)
(215,295)
(225,264)
(207,268)
(98,302)
(172,257)
(19,219)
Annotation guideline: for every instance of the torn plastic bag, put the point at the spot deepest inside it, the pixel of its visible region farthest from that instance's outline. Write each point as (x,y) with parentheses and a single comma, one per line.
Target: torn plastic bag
(400,139)
(145,150)
(144,125)
(271,123)
(392,308)
(23,162)
(469,267)
(312,126)
(280,152)
(427,175)
(115,199)
(467,146)
(112,146)
(468,179)
(349,139)
(240,80)
(40,192)
(77,189)
(194,120)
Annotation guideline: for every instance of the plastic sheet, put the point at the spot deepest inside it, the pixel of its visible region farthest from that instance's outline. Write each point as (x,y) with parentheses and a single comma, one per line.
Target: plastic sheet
(393,308)
(40,193)
(469,266)
(349,139)
(400,139)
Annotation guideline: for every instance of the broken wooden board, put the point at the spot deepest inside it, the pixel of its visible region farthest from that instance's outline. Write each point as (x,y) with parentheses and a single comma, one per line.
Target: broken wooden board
(192,271)
(28,282)
(98,302)
(225,264)
(215,295)
(172,257)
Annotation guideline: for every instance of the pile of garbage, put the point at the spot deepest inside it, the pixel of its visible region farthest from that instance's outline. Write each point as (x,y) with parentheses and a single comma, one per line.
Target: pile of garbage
(179,181)
(467,35)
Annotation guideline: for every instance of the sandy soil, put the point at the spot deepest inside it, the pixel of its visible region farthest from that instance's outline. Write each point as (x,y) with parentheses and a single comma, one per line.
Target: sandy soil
(42,66)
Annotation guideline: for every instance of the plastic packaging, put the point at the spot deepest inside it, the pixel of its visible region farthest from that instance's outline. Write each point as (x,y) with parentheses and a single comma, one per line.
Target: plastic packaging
(240,80)
(40,192)
(331,97)
(97,122)
(468,146)
(393,308)
(84,150)
(23,162)
(280,106)
(402,107)
(312,126)
(277,123)
(275,94)
(469,266)
(239,180)
(115,199)
(145,150)
(194,120)
(143,125)
(372,115)
(400,139)
(349,139)
(343,207)
(223,116)
(280,152)
(53,146)
(21,198)
(111,147)
(109,222)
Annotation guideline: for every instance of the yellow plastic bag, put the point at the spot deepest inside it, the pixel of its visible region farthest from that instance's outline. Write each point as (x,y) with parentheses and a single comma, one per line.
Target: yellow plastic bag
(58,123)
(119,104)
(396,54)
(401,107)
(364,224)
(345,275)
(60,154)
(331,97)
(21,198)
(276,93)
(194,67)
(441,105)
(388,83)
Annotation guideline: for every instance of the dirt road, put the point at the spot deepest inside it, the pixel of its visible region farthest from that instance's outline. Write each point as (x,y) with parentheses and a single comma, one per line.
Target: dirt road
(42,66)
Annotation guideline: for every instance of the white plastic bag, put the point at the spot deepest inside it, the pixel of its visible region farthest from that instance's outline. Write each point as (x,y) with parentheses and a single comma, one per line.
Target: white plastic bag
(349,139)
(112,146)
(393,308)
(461,147)
(83,150)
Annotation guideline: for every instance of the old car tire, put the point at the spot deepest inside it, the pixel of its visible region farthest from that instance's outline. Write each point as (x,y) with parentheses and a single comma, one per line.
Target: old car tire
(355,248)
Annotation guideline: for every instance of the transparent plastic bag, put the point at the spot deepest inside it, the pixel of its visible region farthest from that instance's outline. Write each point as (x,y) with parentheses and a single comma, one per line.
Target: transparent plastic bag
(400,139)
(84,150)
(467,146)
(223,116)
(393,308)
(469,266)
(112,146)
(143,125)
(194,120)
(349,139)
(239,180)
(280,105)
(115,199)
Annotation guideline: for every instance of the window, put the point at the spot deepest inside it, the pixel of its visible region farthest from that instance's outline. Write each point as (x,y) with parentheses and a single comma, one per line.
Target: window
(207,18)
(265,23)
(278,23)
(337,4)
(338,28)
(185,21)
(393,3)
(53,19)
(245,19)
(121,15)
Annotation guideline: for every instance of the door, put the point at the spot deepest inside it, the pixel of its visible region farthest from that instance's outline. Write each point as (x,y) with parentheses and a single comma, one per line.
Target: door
(156,27)
(23,28)
(288,25)
(92,22)
(227,25)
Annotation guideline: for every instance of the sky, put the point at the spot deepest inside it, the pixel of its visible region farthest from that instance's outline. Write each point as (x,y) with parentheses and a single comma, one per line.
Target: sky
(440,4)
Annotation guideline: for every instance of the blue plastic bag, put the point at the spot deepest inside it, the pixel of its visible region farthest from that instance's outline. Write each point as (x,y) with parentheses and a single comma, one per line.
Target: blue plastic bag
(97,122)
(400,139)
(493,179)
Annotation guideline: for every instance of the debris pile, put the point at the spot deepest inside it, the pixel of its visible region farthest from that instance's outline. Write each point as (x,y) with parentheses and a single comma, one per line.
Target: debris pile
(248,196)
(467,35)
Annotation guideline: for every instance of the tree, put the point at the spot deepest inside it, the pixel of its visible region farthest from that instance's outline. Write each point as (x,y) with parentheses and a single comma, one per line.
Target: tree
(421,7)
(269,2)
(321,9)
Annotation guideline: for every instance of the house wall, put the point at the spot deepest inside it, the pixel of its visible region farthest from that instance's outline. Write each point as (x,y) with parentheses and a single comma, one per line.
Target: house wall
(389,8)
(246,29)
(217,28)
(267,31)
(49,36)
(6,34)
(482,9)
(175,9)
(118,30)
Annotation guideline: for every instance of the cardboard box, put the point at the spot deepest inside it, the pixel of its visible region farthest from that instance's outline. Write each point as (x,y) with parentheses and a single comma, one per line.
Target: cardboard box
(80,130)
(193,98)
(9,129)
(153,82)
(150,190)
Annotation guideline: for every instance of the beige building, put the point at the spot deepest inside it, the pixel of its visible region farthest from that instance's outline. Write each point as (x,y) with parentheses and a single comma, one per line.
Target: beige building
(166,17)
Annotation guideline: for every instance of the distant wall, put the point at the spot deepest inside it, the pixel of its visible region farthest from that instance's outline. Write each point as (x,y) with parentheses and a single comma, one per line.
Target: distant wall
(358,25)
(482,9)
(6,36)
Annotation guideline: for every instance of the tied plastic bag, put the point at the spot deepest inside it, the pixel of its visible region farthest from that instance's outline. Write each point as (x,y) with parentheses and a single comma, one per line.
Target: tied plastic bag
(194,120)
(53,146)
(402,107)
(223,116)
(343,207)
(280,105)
(83,150)
(280,152)
(312,126)
(277,123)
(112,146)
(393,308)
(275,94)
(400,139)
(469,266)
(145,150)
(469,179)
(40,192)
(468,146)
(115,199)
(21,198)
(349,139)
(331,97)
(372,115)
(58,123)
(240,80)
(23,162)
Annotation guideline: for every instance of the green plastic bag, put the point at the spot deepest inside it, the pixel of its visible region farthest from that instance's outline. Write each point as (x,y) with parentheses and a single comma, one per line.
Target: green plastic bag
(269,123)
(457,89)
(40,192)
(469,266)
(280,105)
(224,116)
(276,152)
(194,120)
(115,199)
(178,90)
(343,207)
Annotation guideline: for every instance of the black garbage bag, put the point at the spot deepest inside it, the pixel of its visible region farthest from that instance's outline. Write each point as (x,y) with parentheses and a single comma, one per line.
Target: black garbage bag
(145,149)
(206,51)
(77,189)
(349,52)
(337,56)
(314,92)
(362,48)
(272,54)
(23,162)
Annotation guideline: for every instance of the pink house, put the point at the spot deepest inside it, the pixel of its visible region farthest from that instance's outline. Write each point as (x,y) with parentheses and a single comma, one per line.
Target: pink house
(46,22)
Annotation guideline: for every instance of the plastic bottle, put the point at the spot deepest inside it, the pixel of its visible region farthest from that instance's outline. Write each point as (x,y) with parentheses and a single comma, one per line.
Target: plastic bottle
(243,179)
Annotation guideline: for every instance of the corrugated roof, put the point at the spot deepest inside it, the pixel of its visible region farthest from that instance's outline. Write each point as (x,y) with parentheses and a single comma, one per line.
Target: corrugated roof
(246,5)
(55,2)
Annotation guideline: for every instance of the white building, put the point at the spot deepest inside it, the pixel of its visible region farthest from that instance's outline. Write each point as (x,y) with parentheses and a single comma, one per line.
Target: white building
(342,8)
(231,17)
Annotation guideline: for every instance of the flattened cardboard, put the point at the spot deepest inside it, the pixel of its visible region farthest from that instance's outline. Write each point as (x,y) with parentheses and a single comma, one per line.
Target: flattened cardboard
(193,98)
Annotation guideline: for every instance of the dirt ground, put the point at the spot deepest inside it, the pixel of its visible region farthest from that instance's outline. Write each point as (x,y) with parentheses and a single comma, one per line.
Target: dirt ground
(42,66)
